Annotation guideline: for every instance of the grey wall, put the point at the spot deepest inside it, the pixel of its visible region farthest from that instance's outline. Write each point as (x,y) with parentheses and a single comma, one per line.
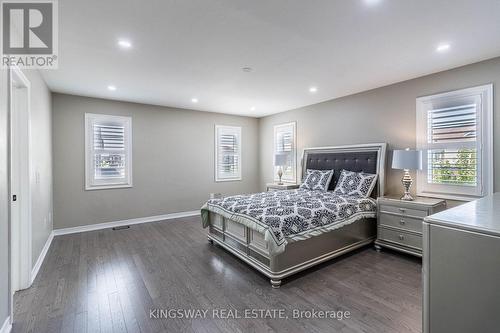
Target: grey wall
(41,163)
(385,114)
(173,161)
(4,202)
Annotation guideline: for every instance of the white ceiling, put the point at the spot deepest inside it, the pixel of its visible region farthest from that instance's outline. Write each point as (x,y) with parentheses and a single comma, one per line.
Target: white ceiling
(197,48)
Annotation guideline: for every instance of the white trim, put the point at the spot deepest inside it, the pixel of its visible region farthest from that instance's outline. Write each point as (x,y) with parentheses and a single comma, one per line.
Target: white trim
(107,187)
(139,220)
(7,326)
(21,244)
(41,257)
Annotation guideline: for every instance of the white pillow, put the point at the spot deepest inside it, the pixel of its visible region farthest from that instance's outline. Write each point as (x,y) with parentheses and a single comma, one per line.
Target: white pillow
(317,180)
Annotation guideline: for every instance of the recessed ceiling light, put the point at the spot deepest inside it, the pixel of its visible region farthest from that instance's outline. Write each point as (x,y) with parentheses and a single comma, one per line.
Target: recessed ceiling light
(124,44)
(194,100)
(313,89)
(247,69)
(112,88)
(372,2)
(443,47)
(252,108)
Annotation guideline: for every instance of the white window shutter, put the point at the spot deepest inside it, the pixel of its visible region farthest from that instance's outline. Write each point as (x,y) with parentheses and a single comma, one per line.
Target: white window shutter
(227,153)
(454,131)
(285,143)
(108,151)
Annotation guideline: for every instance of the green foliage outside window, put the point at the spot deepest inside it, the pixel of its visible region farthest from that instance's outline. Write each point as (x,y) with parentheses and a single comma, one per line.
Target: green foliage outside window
(459,168)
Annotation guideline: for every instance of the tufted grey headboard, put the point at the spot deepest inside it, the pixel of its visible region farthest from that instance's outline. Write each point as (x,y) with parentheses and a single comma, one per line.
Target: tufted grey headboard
(368,158)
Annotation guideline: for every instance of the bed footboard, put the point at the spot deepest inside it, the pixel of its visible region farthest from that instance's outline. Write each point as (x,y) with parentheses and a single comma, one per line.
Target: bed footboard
(251,246)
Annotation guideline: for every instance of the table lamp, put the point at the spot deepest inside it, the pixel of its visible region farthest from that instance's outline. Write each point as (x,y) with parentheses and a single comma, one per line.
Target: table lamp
(280,160)
(407,160)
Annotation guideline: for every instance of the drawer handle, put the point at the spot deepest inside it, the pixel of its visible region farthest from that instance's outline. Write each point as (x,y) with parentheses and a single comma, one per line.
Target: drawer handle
(402,210)
(401,237)
(402,222)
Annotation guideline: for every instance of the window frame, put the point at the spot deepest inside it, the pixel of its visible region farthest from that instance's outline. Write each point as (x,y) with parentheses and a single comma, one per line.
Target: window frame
(484,145)
(284,179)
(238,130)
(90,182)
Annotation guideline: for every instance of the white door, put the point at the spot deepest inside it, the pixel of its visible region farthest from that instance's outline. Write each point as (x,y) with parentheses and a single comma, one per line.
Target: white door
(20,181)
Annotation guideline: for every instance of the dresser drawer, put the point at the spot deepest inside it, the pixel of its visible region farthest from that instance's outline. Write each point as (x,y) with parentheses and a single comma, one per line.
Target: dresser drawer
(400,237)
(401,222)
(403,211)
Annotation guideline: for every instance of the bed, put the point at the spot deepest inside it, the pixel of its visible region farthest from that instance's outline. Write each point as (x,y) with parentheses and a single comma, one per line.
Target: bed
(236,222)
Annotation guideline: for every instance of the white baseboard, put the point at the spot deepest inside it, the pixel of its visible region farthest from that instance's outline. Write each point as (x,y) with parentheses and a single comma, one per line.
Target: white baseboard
(6,327)
(41,257)
(139,220)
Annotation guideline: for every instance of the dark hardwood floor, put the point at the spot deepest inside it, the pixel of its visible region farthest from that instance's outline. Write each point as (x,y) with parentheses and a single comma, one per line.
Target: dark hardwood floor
(108,281)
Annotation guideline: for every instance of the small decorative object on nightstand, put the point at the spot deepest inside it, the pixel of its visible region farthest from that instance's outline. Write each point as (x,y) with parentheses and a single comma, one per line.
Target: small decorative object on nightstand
(278,187)
(399,222)
(280,161)
(407,160)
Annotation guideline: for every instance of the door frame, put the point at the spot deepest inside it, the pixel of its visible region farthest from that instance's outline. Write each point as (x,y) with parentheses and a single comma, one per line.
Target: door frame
(21,236)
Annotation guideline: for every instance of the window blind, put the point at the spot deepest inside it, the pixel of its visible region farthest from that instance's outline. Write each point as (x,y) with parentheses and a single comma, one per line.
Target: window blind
(109,146)
(455,134)
(228,153)
(453,124)
(284,143)
(108,151)
(453,157)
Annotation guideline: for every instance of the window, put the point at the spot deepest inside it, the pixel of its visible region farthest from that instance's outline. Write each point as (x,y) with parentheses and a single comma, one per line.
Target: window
(454,131)
(108,152)
(285,143)
(227,153)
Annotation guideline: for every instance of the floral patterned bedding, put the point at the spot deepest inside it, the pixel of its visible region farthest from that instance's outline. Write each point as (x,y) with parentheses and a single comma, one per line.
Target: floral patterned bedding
(291,215)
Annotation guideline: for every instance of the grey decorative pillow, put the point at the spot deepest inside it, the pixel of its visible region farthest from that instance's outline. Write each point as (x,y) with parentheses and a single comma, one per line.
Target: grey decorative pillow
(317,180)
(355,183)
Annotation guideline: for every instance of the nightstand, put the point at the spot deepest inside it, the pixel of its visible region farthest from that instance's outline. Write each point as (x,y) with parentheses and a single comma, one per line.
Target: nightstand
(278,187)
(399,222)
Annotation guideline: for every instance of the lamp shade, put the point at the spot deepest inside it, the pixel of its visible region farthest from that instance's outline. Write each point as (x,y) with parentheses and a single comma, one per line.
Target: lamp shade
(407,159)
(280,159)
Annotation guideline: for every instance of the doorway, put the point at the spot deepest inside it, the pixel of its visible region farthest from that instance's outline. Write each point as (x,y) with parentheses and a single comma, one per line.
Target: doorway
(20,180)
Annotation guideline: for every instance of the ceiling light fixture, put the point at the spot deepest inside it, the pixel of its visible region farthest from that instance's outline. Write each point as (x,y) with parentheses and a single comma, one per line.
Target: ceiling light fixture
(372,2)
(194,100)
(247,69)
(111,88)
(252,108)
(124,44)
(443,47)
(313,89)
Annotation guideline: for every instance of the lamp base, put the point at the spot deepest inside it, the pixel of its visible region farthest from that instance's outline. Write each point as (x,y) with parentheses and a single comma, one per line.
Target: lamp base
(407,197)
(280,174)
(407,181)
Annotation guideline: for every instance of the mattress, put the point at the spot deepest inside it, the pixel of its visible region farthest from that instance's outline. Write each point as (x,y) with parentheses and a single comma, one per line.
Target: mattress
(291,215)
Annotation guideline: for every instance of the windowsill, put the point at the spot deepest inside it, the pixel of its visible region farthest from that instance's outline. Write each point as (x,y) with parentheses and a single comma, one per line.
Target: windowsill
(107,187)
(455,197)
(228,180)
(287,182)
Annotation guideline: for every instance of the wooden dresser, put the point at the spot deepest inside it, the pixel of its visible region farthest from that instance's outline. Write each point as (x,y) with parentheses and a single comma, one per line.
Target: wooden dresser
(399,223)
